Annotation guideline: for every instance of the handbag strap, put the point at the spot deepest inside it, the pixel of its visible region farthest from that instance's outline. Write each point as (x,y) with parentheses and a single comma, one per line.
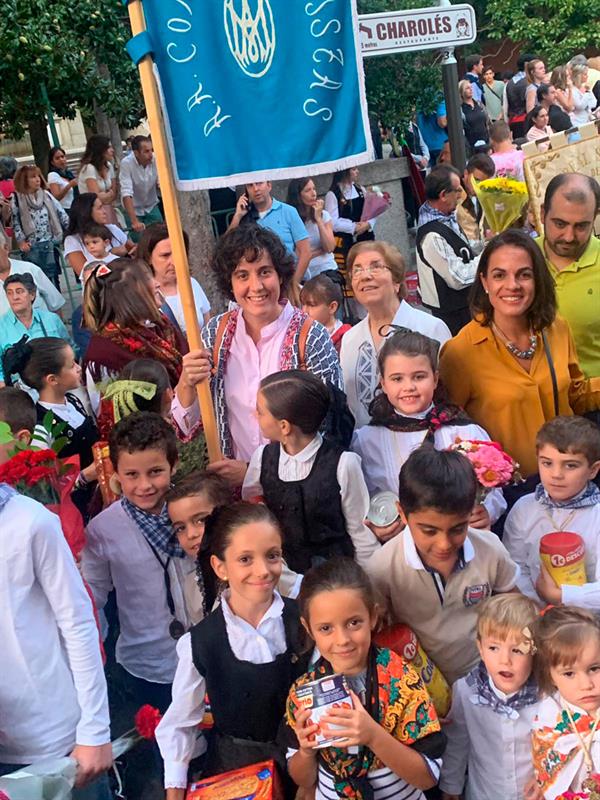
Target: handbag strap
(552,372)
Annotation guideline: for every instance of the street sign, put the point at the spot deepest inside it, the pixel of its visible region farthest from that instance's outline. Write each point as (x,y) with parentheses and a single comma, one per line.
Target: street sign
(417,29)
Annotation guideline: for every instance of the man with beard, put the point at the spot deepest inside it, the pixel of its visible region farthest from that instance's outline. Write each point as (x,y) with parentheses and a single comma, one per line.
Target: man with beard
(572,253)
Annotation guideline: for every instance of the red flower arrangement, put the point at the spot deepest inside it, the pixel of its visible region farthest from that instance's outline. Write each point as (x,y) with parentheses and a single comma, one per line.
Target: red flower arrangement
(146,721)
(33,473)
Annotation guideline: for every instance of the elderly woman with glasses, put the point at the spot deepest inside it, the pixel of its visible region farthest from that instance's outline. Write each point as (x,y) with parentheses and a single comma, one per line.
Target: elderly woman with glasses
(377,271)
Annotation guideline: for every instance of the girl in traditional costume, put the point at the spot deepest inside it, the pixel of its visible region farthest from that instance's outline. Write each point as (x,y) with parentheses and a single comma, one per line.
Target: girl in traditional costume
(406,413)
(390,743)
(566,734)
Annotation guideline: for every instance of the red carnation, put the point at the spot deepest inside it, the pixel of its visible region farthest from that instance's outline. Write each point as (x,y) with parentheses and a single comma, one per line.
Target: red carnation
(146,720)
(16,472)
(41,456)
(37,474)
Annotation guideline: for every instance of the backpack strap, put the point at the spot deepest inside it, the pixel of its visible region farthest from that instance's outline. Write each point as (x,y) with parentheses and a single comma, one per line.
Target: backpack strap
(221,328)
(302,337)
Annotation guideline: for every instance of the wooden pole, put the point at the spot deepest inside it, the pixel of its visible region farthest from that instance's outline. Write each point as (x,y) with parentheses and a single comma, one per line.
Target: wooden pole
(169,196)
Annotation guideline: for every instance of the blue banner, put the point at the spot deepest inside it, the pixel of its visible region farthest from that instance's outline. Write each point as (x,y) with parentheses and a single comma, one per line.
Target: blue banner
(257,89)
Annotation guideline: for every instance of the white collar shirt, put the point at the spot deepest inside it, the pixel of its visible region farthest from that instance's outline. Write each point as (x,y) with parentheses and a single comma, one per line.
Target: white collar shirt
(528,521)
(176,733)
(139,183)
(496,749)
(53,690)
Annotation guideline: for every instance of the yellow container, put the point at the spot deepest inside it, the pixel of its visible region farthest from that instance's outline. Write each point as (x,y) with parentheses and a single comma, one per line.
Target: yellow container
(563,555)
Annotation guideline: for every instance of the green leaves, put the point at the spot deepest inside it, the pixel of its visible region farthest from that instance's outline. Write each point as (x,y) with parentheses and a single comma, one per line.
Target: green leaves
(554,29)
(63,43)
(399,84)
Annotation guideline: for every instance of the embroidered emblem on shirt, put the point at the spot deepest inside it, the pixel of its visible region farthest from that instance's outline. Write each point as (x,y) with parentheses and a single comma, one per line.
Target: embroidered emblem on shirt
(475,594)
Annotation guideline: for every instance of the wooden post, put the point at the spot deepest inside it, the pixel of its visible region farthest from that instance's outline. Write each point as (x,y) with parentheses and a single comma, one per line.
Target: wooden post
(169,196)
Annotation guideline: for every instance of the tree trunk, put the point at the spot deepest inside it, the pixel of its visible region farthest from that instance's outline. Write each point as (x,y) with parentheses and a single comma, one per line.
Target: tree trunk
(106,125)
(196,220)
(40,144)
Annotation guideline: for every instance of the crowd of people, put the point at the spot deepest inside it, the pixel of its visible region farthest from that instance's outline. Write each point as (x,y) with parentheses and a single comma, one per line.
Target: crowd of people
(340,513)
(532,102)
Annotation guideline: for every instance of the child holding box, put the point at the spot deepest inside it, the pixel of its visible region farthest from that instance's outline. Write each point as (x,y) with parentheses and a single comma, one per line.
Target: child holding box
(438,569)
(390,739)
(568,452)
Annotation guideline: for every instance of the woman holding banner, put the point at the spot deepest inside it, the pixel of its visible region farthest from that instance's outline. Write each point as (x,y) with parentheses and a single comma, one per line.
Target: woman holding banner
(265,334)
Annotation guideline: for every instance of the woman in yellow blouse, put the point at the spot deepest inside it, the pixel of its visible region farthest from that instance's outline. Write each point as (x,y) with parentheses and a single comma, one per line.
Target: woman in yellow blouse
(499,367)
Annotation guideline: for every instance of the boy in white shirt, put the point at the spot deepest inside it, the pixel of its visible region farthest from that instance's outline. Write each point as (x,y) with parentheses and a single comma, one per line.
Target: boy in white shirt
(493,707)
(568,451)
(53,700)
(97,240)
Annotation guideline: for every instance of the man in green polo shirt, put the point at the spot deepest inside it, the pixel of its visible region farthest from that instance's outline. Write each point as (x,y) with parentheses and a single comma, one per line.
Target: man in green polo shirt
(572,252)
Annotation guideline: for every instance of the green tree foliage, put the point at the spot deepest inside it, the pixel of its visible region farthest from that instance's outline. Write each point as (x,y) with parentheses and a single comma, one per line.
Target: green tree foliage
(554,29)
(398,84)
(74,47)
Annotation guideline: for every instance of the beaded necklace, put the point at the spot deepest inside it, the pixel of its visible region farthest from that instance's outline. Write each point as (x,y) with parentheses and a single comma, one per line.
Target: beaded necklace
(512,348)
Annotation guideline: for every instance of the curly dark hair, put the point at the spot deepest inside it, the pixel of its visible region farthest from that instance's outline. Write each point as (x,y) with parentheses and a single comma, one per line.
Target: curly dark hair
(143,430)
(542,312)
(248,242)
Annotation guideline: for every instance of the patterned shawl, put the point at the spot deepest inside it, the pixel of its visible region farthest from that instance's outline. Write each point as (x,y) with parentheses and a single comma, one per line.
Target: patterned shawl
(383,414)
(396,698)
(558,758)
(114,347)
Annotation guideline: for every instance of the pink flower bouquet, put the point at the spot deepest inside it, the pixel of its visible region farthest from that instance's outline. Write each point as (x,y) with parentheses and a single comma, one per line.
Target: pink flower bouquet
(376,202)
(493,467)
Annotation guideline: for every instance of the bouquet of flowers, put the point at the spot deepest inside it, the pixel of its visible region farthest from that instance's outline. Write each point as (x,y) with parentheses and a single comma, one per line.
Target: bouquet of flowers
(42,476)
(493,467)
(33,473)
(376,202)
(591,790)
(502,200)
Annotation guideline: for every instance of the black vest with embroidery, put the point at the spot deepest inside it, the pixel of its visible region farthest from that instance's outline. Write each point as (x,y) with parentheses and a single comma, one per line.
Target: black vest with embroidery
(247,700)
(309,511)
(450,299)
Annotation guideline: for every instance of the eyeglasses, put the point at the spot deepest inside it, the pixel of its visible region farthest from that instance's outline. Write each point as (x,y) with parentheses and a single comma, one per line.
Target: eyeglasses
(376,268)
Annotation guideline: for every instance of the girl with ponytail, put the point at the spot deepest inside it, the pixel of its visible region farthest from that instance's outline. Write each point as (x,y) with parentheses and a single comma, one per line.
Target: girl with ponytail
(48,365)
(120,308)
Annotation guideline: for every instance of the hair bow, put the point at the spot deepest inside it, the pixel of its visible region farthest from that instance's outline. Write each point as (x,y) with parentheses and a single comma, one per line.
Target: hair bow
(123,394)
(102,271)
